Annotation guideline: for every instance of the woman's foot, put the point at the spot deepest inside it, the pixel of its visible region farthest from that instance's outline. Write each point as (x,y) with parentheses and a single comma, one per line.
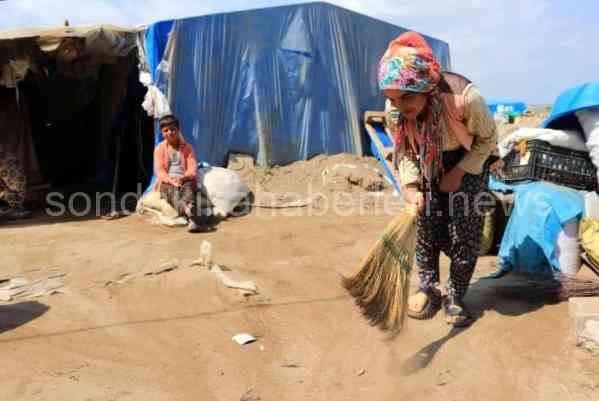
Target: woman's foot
(424,304)
(456,312)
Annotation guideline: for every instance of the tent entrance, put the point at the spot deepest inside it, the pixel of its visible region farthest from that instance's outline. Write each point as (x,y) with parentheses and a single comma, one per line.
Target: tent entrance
(89,134)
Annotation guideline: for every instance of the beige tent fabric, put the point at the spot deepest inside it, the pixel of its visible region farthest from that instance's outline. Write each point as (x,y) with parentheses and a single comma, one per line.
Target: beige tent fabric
(103,42)
(48,34)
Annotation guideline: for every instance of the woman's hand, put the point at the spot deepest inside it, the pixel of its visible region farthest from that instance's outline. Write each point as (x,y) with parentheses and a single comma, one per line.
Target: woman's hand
(412,195)
(451,181)
(497,167)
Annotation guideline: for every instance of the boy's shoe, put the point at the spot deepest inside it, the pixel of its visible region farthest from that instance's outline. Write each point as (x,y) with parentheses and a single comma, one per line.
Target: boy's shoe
(194,227)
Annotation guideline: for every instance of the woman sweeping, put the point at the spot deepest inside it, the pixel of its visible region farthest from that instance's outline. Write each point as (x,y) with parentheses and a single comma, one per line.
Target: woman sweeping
(444,135)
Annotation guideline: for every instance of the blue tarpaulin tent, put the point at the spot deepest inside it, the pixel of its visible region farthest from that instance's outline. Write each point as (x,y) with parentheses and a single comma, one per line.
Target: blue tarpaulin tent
(156,37)
(281,84)
(508,105)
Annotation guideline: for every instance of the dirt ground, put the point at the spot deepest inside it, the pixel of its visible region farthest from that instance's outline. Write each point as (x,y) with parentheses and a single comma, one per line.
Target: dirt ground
(168,337)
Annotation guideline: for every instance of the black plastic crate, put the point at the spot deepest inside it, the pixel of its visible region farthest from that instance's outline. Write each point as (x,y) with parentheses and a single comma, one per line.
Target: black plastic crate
(544,162)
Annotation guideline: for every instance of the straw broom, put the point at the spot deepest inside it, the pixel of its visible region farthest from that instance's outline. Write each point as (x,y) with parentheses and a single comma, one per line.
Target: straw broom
(554,290)
(381,285)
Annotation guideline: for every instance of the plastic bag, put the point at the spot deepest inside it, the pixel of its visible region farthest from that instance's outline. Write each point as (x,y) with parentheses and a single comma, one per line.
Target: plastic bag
(224,189)
(155,103)
(567,249)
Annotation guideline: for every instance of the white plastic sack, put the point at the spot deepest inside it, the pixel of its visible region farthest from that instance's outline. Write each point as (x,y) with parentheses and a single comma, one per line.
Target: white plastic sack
(224,188)
(589,120)
(567,249)
(155,103)
(569,139)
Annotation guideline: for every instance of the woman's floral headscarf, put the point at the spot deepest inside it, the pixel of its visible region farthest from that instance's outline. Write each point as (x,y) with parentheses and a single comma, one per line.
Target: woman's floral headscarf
(410,66)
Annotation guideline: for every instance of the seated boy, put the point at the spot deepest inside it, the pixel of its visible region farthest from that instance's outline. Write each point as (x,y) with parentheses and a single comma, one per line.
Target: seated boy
(176,166)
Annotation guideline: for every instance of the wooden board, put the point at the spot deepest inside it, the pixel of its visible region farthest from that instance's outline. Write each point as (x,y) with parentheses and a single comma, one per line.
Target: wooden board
(372,118)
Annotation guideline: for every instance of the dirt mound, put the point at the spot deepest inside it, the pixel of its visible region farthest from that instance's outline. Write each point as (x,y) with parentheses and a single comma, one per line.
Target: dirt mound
(323,173)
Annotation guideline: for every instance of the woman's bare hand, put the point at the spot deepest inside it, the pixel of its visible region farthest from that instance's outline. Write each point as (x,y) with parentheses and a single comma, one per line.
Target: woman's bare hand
(412,195)
(497,167)
(451,181)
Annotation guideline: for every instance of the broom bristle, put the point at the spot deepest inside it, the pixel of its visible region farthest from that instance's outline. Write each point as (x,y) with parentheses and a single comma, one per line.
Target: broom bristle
(381,284)
(560,289)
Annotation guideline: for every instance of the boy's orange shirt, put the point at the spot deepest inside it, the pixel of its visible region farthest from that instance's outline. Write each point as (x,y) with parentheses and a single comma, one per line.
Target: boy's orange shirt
(161,163)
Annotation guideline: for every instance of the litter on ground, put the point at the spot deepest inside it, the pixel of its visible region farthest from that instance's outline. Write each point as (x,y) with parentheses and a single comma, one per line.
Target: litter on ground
(244,338)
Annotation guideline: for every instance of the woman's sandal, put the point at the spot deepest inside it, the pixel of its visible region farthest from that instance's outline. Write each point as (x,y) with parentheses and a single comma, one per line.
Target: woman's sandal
(456,313)
(430,308)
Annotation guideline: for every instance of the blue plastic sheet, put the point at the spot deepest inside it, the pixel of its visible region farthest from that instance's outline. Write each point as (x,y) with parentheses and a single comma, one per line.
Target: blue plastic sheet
(540,211)
(156,40)
(574,99)
(281,84)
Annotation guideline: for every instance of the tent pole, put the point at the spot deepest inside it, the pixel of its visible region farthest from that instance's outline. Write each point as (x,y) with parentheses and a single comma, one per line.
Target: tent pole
(115,180)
